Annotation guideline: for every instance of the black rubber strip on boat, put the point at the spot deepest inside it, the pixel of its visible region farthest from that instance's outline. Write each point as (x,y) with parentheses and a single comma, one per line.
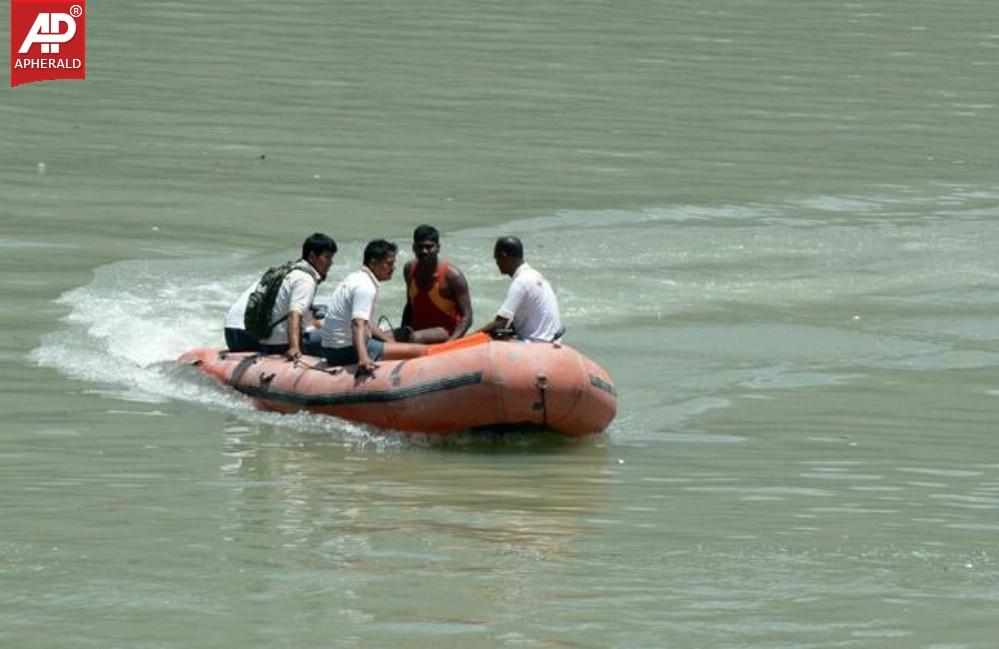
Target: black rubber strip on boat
(374,396)
(598,382)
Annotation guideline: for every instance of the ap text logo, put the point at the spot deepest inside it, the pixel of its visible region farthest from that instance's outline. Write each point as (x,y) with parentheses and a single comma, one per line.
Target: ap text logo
(47,40)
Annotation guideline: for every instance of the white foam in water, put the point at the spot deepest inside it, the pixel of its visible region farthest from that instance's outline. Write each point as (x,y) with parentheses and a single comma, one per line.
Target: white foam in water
(125,330)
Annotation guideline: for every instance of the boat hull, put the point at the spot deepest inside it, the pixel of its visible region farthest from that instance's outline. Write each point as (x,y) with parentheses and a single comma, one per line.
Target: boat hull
(495,384)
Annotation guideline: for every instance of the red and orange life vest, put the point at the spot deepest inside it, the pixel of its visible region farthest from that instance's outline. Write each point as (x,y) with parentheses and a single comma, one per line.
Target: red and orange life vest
(430,308)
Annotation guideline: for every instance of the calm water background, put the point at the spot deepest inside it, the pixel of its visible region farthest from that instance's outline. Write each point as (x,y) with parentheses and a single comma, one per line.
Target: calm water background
(774,222)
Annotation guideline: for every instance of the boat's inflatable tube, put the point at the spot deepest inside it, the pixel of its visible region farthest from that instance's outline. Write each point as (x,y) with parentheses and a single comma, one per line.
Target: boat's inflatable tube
(491,384)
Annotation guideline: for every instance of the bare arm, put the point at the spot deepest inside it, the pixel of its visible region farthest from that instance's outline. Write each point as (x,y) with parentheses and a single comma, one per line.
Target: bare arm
(501,322)
(407,312)
(359,330)
(294,336)
(459,289)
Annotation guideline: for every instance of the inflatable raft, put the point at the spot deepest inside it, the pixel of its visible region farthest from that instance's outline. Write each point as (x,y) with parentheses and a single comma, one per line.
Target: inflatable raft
(456,387)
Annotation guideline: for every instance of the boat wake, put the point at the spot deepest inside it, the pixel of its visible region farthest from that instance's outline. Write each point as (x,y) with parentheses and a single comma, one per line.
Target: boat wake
(123,332)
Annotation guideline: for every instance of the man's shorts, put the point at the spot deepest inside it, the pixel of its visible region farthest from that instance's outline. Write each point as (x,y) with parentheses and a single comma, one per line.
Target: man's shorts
(348,355)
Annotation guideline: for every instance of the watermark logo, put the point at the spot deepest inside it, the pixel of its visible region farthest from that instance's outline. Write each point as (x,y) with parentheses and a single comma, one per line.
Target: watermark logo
(47,40)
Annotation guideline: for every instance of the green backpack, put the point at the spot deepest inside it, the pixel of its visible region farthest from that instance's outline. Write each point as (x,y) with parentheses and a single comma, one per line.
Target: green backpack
(257,317)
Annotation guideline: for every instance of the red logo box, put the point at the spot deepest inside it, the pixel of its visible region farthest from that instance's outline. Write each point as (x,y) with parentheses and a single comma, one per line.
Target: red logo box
(47,40)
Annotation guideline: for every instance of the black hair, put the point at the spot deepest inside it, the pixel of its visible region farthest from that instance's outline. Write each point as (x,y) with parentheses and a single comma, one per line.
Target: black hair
(510,247)
(318,243)
(378,249)
(426,233)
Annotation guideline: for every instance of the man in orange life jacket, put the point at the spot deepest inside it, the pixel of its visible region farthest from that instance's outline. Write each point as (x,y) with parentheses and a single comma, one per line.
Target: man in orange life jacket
(438,307)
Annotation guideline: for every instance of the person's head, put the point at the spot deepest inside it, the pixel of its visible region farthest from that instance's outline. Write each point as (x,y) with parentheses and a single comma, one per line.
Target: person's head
(318,250)
(509,254)
(379,257)
(426,243)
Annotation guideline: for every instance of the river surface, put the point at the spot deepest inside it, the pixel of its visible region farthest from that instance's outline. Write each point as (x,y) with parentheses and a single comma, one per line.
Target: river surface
(776,223)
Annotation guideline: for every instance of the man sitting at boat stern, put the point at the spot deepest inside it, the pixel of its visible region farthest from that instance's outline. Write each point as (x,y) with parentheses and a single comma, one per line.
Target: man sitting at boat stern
(530,309)
(291,288)
(348,334)
(438,307)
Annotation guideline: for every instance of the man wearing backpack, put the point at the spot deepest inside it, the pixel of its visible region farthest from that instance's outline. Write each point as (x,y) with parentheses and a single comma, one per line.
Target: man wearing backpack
(290,288)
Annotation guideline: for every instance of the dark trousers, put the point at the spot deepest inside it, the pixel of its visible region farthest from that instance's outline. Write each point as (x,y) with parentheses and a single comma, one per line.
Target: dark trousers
(238,340)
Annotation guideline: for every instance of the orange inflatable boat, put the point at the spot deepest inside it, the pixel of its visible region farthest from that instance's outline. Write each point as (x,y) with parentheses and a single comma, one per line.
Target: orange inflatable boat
(458,386)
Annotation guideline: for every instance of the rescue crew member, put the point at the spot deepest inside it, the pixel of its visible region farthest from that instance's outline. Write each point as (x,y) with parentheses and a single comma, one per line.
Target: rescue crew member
(438,306)
(292,312)
(530,310)
(348,333)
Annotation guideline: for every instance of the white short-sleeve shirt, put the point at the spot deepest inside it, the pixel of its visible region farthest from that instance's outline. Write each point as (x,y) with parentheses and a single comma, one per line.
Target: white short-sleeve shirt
(354,298)
(531,304)
(296,294)
(234,316)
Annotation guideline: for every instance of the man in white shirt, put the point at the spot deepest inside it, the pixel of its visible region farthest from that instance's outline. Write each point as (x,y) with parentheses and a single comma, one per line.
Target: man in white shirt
(292,307)
(348,335)
(236,338)
(530,308)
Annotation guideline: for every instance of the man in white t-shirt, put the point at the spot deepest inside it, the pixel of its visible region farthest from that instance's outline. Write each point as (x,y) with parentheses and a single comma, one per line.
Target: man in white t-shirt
(530,308)
(236,338)
(292,308)
(348,334)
